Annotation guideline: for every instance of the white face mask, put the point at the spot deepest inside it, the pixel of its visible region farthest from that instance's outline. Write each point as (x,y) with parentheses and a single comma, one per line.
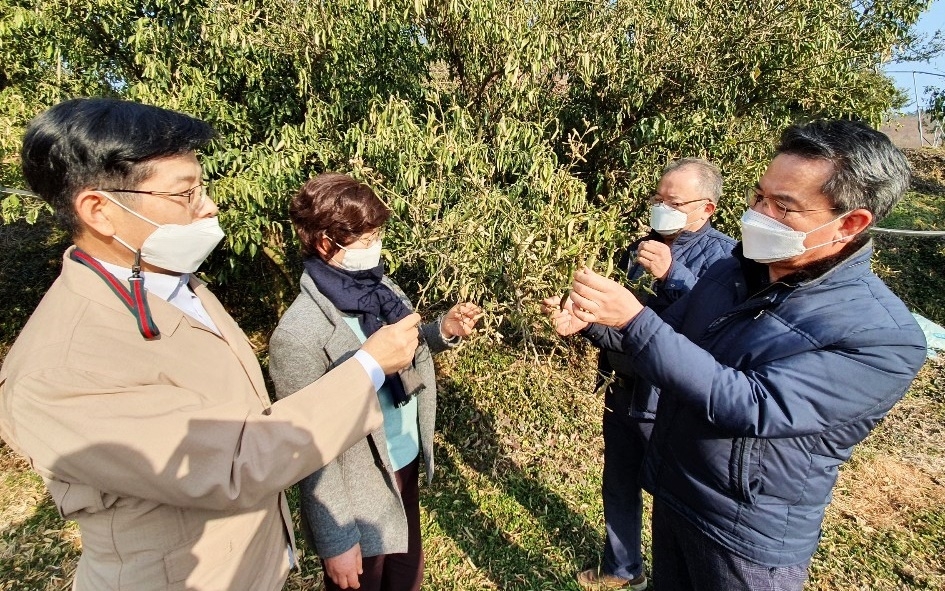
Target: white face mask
(666,220)
(361,259)
(766,240)
(176,248)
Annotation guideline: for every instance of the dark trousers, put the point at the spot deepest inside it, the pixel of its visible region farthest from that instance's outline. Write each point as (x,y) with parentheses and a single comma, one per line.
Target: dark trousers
(397,572)
(625,440)
(685,559)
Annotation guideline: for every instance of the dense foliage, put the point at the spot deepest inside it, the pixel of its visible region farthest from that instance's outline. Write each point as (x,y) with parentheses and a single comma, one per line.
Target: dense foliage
(511,138)
(936,104)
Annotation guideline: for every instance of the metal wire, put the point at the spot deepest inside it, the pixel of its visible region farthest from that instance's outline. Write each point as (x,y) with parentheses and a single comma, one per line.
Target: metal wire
(929,233)
(13,191)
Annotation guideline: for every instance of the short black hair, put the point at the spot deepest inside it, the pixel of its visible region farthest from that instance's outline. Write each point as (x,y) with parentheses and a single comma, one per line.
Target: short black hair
(869,172)
(92,142)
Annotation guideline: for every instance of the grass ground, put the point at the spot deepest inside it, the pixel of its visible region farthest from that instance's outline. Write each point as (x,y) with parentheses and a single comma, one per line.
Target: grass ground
(515,504)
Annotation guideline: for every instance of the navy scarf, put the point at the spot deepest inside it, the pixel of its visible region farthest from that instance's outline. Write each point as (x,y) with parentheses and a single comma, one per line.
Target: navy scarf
(361,294)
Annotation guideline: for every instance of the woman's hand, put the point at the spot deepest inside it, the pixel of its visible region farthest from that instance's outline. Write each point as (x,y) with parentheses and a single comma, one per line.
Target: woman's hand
(460,320)
(345,568)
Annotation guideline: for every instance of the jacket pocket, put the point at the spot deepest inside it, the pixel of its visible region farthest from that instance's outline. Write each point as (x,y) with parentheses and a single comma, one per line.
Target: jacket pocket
(745,468)
(208,550)
(769,471)
(180,563)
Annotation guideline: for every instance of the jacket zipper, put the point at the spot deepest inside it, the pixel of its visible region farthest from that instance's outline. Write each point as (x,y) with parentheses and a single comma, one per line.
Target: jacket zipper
(749,306)
(743,487)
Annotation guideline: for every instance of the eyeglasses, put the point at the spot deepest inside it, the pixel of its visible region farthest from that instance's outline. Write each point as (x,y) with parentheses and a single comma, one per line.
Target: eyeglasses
(194,196)
(374,236)
(775,208)
(365,241)
(657,200)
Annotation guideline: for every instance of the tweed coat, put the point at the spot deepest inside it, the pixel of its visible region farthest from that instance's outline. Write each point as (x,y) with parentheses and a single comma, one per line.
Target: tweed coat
(354,499)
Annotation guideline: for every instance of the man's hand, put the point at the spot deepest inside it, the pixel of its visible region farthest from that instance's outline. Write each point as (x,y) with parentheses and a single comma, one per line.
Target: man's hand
(345,568)
(655,257)
(393,346)
(562,316)
(598,299)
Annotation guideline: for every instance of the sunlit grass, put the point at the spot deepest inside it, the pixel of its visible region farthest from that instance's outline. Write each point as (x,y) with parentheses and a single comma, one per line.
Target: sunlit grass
(923,208)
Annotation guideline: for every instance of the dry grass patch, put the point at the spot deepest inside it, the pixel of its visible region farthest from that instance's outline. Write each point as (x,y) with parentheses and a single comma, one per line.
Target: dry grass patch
(886,524)
(914,430)
(885,492)
(20,490)
(899,471)
(928,168)
(38,552)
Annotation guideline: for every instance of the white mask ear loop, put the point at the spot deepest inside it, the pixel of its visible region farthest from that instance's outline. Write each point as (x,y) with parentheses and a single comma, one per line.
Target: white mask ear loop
(136,266)
(841,216)
(689,224)
(696,221)
(129,210)
(126,245)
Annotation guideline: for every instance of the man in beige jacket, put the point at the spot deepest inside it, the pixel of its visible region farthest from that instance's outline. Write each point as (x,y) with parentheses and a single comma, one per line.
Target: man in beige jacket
(136,396)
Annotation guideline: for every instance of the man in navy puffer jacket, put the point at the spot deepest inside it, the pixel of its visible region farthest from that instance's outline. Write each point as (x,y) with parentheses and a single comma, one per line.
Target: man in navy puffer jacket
(772,369)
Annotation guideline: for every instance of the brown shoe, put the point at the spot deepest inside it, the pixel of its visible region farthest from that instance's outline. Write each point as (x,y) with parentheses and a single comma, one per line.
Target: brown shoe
(592,578)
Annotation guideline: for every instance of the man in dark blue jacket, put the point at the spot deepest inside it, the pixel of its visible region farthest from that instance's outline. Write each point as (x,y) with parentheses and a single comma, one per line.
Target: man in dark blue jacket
(787,357)
(681,246)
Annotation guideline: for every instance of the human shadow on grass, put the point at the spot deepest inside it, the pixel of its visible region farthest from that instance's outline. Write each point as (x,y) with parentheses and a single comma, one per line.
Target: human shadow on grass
(475,434)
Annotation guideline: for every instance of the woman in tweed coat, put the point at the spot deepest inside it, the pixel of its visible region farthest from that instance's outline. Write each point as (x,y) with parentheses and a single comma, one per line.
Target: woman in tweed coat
(361,512)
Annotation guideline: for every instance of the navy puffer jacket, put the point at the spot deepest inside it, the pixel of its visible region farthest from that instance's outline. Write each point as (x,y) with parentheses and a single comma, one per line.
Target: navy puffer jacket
(765,392)
(693,253)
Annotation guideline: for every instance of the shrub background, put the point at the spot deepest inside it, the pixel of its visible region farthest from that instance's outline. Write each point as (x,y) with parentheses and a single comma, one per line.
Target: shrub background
(512,139)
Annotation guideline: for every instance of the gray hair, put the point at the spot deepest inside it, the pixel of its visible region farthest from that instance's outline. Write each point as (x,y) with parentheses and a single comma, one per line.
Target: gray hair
(869,172)
(710,176)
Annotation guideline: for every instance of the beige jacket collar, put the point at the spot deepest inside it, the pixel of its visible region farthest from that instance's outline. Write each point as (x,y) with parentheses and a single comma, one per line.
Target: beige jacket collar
(169,318)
